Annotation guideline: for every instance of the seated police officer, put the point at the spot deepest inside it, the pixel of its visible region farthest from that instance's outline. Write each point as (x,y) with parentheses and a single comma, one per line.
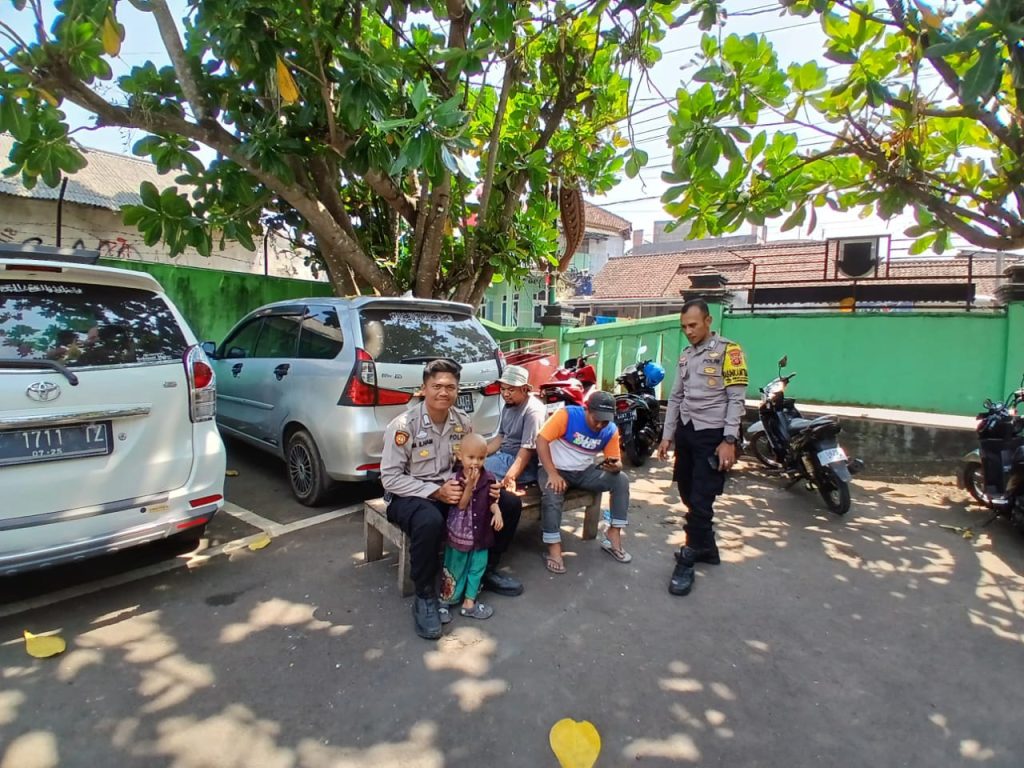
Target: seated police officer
(417,471)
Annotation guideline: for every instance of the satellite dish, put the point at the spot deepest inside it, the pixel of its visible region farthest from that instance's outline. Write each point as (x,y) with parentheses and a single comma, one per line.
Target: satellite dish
(858,258)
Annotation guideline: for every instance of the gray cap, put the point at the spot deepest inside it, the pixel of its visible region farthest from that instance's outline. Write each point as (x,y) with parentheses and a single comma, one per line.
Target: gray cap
(515,376)
(602,405)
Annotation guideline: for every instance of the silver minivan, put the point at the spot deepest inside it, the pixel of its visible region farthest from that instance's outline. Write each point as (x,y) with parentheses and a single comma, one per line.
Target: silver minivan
(107,437)
(315,381)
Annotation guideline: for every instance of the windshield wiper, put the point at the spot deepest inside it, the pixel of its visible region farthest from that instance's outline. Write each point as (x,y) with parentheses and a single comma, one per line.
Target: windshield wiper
(59,367)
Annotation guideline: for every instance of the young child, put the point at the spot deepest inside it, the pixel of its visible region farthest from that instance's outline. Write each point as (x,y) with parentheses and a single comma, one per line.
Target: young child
(469,531)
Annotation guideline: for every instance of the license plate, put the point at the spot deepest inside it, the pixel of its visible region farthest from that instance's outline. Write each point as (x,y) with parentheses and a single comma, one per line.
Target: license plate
(465,402)
(552,407)
(625,416)
(831,455)
(28,446)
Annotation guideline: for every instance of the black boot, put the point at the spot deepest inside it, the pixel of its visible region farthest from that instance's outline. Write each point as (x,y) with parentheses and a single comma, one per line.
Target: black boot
(682,577)
(501,583)
(708,555)
(426,617)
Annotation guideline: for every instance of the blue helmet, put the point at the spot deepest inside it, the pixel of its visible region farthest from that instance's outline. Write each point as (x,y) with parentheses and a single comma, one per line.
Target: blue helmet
(654,373)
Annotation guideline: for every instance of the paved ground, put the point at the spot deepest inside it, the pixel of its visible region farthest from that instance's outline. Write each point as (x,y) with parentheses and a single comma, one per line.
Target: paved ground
(881,639)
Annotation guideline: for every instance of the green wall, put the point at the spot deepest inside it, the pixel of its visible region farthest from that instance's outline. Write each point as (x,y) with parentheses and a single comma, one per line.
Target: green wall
(213,301)
(944,363)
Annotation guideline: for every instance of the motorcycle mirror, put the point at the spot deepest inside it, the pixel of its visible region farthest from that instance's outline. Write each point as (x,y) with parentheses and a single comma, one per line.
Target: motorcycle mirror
(643,348)
(589,342)
(783,361)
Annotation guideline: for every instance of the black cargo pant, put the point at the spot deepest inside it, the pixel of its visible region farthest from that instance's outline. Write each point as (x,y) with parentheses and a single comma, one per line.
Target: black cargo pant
(423,521)
(699,482)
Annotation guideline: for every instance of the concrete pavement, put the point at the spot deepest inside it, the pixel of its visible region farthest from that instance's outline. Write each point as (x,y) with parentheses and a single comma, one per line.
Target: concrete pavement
(879,639)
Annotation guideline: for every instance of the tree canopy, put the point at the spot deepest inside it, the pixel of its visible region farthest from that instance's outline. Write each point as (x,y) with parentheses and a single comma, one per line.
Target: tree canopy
(411,145)
(919,107)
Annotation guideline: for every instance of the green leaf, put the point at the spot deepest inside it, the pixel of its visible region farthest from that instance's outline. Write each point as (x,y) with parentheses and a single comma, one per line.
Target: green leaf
(419,95)
(982,79)
(150,195)
(709,74)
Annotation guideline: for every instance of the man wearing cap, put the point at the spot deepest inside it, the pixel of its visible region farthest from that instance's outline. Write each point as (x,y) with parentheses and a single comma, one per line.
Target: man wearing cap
(703,422)
(513,451)
(567,445)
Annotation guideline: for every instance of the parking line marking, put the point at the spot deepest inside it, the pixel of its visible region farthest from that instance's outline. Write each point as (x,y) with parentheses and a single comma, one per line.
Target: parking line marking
(248,516)
(193,561)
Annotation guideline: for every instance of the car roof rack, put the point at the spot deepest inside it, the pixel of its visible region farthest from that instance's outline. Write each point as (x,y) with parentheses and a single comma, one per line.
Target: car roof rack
(35,252)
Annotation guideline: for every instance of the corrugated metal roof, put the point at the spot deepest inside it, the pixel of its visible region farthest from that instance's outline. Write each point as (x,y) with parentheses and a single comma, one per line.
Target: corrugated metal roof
(107,181)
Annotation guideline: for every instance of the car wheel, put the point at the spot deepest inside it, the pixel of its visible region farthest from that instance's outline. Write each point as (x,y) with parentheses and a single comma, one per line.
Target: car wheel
(306,473)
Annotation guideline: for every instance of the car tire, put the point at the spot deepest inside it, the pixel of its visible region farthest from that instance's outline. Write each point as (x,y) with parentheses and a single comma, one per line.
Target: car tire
(306,475)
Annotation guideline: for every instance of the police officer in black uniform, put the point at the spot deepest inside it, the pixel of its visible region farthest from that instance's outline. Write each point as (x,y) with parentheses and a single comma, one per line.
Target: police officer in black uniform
(417,472)
(703,420)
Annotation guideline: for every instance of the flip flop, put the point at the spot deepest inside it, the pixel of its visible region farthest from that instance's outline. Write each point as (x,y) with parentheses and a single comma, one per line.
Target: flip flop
(552,564)
(619,554)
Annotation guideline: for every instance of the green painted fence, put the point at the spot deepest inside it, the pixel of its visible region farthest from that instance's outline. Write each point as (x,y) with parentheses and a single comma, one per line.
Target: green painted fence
(212,301)
(936,362)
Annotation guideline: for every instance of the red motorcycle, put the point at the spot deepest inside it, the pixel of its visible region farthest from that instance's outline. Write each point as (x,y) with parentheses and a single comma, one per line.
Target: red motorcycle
(570,384)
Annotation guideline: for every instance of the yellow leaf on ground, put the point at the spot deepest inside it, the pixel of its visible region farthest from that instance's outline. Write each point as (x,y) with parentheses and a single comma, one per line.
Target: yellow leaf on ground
(260,542)
(232,473)
(575,744)
(111,36)
(43,646)
(286,83)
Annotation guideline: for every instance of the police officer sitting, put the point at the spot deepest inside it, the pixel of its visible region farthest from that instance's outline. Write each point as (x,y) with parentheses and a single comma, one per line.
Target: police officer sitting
(417,471)
(703,420)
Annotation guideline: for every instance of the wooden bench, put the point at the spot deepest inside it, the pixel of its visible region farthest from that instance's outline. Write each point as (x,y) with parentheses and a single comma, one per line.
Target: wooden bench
(376,527)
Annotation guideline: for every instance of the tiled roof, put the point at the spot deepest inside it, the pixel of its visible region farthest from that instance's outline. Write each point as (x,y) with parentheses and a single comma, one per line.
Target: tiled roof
(798,262)
(599,218)
(107,181)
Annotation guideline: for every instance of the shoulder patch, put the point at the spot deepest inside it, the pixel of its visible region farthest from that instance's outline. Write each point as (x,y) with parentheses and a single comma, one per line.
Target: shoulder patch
(734,367)
(401,438)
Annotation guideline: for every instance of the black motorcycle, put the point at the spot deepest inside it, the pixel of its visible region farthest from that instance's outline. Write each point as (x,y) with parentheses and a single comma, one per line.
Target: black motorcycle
(637,410)
(994,473)
(804,449)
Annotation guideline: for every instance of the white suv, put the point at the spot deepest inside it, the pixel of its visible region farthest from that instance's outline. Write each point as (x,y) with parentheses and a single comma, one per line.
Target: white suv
(107,437)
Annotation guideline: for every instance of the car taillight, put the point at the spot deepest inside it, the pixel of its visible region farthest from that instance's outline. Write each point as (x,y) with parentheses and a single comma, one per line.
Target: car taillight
(362,390)
(202,385)
(491,389)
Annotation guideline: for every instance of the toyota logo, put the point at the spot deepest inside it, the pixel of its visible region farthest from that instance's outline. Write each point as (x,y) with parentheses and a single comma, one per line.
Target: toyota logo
(43,391)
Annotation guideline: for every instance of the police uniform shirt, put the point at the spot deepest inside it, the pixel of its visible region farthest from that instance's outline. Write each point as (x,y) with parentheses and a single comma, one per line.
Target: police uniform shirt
(418,455)
(710,388)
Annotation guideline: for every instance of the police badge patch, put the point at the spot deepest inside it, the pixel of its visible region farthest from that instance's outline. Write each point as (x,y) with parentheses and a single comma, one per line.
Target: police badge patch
(734,367)
(401,438)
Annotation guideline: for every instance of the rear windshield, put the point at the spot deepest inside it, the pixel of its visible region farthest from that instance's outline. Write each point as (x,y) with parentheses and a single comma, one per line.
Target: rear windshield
(417,336)
(81,325)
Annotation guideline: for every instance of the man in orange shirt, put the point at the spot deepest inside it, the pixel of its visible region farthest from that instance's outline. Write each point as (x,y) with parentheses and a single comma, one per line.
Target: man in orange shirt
(567,445)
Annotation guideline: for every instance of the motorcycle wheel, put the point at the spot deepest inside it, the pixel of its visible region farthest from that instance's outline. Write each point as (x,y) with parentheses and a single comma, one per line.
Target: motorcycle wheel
(638,451)
(763,452)
(835,492)
(974,482)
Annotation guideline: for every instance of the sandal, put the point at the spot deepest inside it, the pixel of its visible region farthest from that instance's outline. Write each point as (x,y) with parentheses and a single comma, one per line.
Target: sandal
(553,565)
(619,554)
(478,611)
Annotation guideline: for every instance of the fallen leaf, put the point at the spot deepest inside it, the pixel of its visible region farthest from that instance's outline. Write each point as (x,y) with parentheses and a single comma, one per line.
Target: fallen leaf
(231,473)
(260,543)
(43,646)
(576,744)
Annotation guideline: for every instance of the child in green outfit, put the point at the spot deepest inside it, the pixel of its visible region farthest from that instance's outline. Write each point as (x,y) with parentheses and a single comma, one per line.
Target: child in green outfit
(470,533)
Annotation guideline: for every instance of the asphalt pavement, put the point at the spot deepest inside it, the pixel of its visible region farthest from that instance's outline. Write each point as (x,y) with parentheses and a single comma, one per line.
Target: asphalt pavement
(884,638)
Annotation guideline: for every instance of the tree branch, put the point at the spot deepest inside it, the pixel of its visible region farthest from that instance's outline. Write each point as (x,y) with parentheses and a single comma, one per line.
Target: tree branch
(430,252)
(386,187)
(176,53)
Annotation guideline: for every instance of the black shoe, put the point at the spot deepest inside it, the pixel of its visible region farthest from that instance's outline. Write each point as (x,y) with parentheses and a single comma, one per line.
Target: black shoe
(501,583)
(708,555)
(682,577)
(426,617)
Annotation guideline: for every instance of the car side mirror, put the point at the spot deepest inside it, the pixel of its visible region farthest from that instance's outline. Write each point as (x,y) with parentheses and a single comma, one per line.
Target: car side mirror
(210,348)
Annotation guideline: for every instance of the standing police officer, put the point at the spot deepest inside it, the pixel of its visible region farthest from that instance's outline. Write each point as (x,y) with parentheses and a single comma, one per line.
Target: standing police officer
(703,419)
(417,472)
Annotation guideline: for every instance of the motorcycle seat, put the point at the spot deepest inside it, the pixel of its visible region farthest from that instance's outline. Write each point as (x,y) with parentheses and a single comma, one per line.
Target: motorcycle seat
(799,425)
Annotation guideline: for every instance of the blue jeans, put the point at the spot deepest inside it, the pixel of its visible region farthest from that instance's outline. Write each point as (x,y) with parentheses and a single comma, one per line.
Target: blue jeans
(590,479)
(499,463)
